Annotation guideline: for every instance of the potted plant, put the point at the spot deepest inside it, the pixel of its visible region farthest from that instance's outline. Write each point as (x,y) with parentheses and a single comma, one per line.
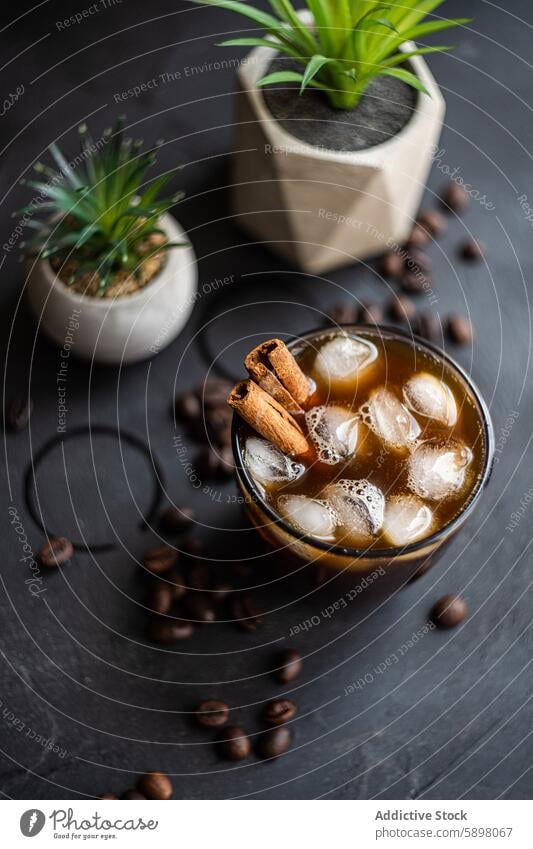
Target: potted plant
(337,117)
(110,267)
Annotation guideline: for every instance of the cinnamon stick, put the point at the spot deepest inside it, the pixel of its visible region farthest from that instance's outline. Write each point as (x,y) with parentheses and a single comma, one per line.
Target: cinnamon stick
(274,368)
(268,418)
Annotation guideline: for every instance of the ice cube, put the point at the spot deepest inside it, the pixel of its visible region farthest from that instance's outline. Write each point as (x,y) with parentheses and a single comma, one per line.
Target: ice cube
(390,420)
(430,397)
(343,357)
(333,431)
(268,464)
(406,519)
(310,515)
(437,468)
(359,506)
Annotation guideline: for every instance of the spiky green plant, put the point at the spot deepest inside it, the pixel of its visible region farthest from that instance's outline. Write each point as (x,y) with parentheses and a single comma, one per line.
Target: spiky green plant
(350,43)
(102,212)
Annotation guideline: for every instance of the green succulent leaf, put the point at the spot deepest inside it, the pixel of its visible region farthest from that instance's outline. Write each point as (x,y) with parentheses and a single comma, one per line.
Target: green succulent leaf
(348,44)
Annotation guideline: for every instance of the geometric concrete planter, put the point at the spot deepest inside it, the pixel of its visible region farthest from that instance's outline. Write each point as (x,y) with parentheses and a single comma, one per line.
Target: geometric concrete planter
(120,330)
(323,209)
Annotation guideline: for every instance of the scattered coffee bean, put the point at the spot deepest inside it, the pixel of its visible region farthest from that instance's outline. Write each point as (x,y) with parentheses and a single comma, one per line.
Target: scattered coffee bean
(188,407)
(199,607)
(449,611)
(19,413)
(207,464)
(472,250)
(415,283)
(177,519)
(215,391)
(455,197)
(56,552)
(273,743)
(279,711)
(193,547)
(246,614)
(219,425)
(392,265)
(212,713)
(160,559)
(290,666)
(401,309)
(160,597)
(418,238)
(156,785)
(234,744)
(418,262)
(220,591)
(459,329)
(169,631)
(344,313)
(198,576)
(370,313)
(132,794)
(428,326)
(433,221)
(108,796)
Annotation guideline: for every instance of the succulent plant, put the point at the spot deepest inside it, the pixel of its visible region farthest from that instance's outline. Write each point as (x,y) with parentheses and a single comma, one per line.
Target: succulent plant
(349,44)
(102,213)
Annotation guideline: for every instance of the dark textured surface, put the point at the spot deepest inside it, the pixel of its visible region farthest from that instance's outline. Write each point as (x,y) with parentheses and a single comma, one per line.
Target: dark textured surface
(451,716)
(385,108)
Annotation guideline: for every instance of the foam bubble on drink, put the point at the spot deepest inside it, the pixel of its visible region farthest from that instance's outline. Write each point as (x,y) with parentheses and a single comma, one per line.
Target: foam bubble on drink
(359,505)
(430,397)
(406,519)
(390,420)
(437,468)
(268,464)
(342,358)
(333,431)
(310,515)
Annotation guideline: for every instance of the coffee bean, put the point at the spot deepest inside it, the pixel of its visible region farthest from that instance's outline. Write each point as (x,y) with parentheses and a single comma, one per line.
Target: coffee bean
(108,796)
(370,313)
(401,309)
(56,552)
(193,547)
(290,663)
(132,794)
(160,559)
(219,425)
(279,711)
(177,584)
(220,591)
(274,742)
(188,407)
(212,713)
(207,464)
(392,265)
(199,608)
(427,326)
(160,597)
(215,391)
(234,744)
(455,197)
(156,785)
(472,250)
(198,576)
(169,631)
(418,238)
(418,262)
(177,519)
(459,329)
(343,313)
(246,614)
(449,611)
(433,221)
(19,413)
(415,283)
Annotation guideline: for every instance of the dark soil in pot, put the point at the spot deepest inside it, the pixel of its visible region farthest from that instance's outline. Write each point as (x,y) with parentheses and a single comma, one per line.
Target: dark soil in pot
(384,109)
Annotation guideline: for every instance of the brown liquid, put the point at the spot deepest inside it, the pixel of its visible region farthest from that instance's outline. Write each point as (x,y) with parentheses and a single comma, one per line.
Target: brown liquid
(381,464)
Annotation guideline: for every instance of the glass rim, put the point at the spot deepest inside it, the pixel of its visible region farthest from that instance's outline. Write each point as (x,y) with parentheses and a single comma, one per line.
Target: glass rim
(391,551)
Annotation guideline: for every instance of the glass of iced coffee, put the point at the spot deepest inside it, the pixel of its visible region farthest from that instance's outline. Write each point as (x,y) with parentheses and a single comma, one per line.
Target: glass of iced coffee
(359,447)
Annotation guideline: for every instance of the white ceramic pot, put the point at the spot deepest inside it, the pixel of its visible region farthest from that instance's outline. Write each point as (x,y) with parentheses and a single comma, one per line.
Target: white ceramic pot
(323,209)
(120,330)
